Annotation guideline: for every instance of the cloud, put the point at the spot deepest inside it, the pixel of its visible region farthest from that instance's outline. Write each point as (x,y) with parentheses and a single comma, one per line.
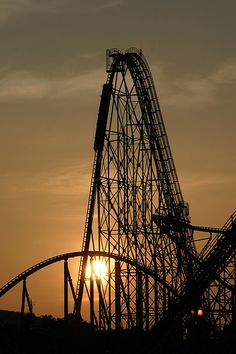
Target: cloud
(201,180)
(67,181)
(24,85)
(70,180)
(12,8)
(202,90)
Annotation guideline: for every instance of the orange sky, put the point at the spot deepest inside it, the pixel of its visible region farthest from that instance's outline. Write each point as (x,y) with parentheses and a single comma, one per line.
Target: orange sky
(52,67)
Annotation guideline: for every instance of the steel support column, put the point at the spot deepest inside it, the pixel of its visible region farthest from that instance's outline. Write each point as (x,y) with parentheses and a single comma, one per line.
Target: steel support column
(139,301)
(117,296)
(65,289)
(91,293)
(147,302)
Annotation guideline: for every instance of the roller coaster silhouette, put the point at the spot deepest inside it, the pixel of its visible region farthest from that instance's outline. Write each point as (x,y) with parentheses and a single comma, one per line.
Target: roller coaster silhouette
(138,225)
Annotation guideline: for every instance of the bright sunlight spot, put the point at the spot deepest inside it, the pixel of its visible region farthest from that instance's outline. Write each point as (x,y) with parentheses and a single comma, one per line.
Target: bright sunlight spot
(96,269)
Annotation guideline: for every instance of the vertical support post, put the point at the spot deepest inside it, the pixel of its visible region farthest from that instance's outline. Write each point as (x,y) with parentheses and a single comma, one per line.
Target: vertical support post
(147,302)
(139,301)
(91,293)
(117,295)
(233,304)
(156,296)
(23,299)
(100,303)
(234,287)
(98,147)
(109,294)
(65,290)
(25,296)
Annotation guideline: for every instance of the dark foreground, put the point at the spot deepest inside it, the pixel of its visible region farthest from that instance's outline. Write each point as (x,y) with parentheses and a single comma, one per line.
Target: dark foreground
(46,335)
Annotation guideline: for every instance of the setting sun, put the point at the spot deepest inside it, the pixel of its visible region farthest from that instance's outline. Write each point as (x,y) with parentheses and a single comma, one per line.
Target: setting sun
(97,269)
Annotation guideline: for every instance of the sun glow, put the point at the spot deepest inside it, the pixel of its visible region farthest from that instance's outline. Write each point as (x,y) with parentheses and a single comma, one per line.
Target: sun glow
(96,269)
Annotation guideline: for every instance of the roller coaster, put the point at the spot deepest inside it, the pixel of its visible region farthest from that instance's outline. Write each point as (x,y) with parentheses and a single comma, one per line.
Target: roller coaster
(138,224)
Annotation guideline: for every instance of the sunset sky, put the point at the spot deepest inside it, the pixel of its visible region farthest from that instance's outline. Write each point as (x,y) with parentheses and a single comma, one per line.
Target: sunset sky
(52,67)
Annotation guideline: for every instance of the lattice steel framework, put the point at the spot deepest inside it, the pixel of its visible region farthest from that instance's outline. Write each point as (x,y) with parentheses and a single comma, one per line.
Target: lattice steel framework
(133,177)
(214,280)
(220,297)
(137,223)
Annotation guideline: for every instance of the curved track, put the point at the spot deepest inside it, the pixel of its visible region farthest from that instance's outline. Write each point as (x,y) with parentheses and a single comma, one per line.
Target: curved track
(65,256)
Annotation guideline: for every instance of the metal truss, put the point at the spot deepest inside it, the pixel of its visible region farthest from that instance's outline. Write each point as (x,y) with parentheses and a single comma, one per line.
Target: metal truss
(137,224)
(219,298)
(133,178)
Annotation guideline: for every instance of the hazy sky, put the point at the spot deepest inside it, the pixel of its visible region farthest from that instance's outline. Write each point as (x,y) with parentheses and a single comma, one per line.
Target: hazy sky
(52,67)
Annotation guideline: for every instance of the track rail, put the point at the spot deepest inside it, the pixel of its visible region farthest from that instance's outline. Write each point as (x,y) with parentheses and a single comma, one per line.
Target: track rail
(65,256)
